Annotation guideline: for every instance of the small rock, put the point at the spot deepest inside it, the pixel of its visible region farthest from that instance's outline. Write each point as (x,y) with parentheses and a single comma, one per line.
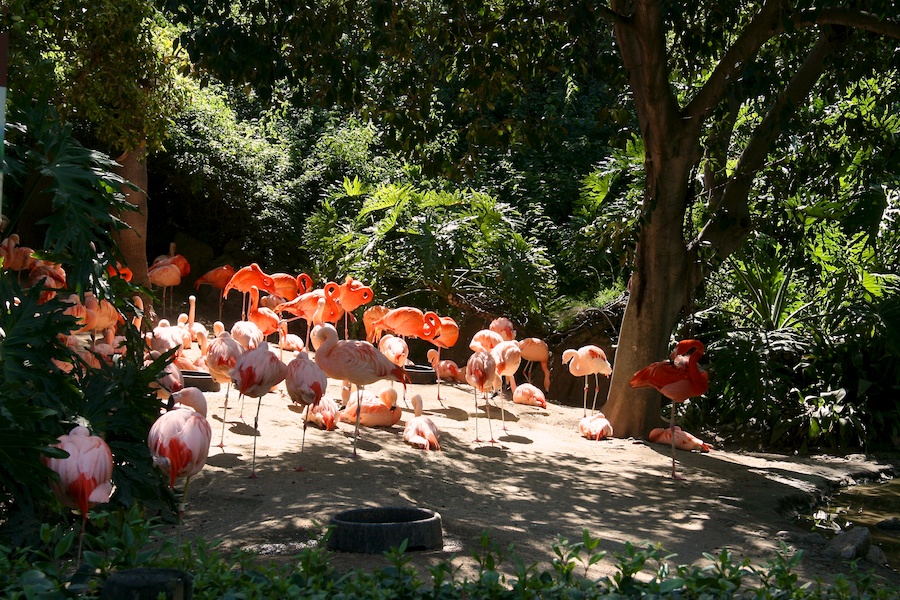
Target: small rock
(889,524)
(851,544)
(876,556)
(801,537)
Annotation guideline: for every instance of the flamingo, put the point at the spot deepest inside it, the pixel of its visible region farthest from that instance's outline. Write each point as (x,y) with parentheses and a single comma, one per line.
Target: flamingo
(371,316)
(217,278)
(221,358)
(288,287)
(305,383)
(534,350)
(184,267)
(247,333)
(484,340)
(16,257)
(374,411)
(445,369)
(119,270)
(305,306)
(397,351)
(256,372)
(165,276)
(354,361)
(529,395)
(588,360)
(678,379)
(179,440)
(49,275)
(682,439)
(480,371)
(407,321)
(324,414)
(245,277)
(195,328)
(85,475)
(507,357)
(504,327)
(353,294)
(265,318)
(289,341)
(595,427)
(420,431)
(446,338)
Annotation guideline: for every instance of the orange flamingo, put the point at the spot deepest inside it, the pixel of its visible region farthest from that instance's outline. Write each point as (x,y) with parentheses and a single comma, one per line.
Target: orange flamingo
(371,316)
(288,287)
(184,267)
(16,257)
(221,358)
(305,306)
(217,278)
(534,350)
(480,371)
(420,431)
(397,351)
(179,441)
(49,275)
(265,318)
(245,277)
(353,360)
(446,338)
(678,379)
(305,383)
(120,270)
(256,372)
(407,321)
(529,395)
(595,427)
(588,360)
(683,440)
(374,411)
(85,475)
(353,294)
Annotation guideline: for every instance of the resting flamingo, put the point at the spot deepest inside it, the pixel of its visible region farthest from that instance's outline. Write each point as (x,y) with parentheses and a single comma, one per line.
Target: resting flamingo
(256,372)
(397,351)
(480,371)
(420,431)
(221,358)
(504,328)
(484,340)
(445,338)
(678,379)
(85,475)
(179,440)
(247,333)
(588,360)
(408,321)
(374,411)
(305,383)
(324,414)
(682,439)
(445,369)
(595,427)
(535,350)
(529,395)
(218,278)
(352,360)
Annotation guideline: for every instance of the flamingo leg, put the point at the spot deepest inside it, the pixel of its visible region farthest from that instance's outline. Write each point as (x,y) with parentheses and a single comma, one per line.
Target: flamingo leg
(546,369)
(224,412)
(358,413)
(672,430)
(502,405)
(303,439)
(477,440)
(585,396)
(253,474)
(596,390)
(487,407)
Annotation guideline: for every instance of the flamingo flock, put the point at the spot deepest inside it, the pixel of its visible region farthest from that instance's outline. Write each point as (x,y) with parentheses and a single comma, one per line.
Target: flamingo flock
(245,358)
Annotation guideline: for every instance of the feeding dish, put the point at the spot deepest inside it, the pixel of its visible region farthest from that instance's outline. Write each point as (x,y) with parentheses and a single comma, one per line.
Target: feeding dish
(376,530)
(200,380)
(420,374)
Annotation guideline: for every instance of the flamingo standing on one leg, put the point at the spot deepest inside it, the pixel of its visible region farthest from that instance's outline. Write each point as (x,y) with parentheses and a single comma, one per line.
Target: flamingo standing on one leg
(678,379)
(480,371)
(221,358)
(353,360)
(446,338)
(535,350)
(256,372)
(420,431)
(397,351)
(179,440)
(85,475)
(588,360)
(305,382)
(507,357)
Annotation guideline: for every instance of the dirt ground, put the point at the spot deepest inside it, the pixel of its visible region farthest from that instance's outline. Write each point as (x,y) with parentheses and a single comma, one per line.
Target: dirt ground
(539,482)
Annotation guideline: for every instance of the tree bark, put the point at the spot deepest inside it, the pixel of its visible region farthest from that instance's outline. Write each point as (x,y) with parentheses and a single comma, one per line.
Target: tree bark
(132,242)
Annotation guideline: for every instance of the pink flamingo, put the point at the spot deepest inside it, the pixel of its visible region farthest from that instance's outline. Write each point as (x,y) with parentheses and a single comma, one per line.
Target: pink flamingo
(324,414)
(305,383)
(507,357)
(165,276)
(445,338)
(484,341)
(247,333)
(397,351)
(588,360)
(595,427)
(353,360)
(682,439)
(535,350)
(529,395)
(179,440)
(678,379)
(504,327)
(420,431)
(374,411)
(221,358)
(85,475)
(256,372)
(480,371)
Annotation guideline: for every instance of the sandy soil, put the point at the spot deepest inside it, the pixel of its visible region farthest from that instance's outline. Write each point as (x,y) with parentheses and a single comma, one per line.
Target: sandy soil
(539,482)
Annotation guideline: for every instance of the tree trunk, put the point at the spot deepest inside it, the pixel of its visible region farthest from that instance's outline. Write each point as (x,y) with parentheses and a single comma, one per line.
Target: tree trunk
(133,242)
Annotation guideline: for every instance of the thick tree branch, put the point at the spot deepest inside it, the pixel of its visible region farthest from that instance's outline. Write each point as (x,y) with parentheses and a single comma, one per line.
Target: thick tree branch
(730,224)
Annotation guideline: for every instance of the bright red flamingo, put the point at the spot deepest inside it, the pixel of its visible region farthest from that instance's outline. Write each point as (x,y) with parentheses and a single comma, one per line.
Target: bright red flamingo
(257,371)
(353,294)
(85,475)
(217,278)
(678,379)
(288,287)
(246,277)
(480,371)
(221,358)
(420,431)
(535,350)
(179,440)
(305,383)
(595,427)
(353,360)
(588,360)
